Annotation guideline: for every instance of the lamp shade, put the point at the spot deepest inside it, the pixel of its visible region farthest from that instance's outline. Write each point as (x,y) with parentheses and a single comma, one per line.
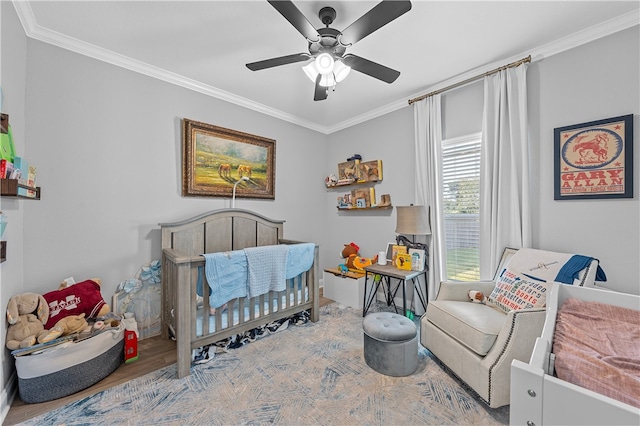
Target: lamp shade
(413,220)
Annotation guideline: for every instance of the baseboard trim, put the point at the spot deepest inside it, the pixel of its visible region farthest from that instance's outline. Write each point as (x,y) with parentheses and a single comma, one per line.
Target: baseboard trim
(8,395)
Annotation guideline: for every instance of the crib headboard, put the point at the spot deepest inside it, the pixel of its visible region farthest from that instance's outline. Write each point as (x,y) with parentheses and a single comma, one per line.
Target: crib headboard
(221,230)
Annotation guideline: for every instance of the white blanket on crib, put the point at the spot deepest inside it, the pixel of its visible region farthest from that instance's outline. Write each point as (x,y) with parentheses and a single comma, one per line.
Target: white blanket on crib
(266,269)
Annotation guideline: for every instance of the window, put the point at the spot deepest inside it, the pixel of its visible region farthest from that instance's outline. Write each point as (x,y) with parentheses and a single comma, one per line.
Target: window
(461,200)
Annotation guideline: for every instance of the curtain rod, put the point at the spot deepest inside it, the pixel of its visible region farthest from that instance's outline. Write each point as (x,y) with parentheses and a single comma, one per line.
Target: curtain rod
(469,80)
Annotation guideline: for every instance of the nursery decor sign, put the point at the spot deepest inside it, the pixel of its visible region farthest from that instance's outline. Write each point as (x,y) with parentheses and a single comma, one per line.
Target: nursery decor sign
(215,160)
(594,159)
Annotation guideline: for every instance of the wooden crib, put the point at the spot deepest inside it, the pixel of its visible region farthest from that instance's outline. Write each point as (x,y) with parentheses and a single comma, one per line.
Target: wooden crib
(187,316)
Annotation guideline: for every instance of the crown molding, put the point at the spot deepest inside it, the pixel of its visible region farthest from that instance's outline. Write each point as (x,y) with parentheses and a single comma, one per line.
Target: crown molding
(36,32)
(33,30)
(579,38)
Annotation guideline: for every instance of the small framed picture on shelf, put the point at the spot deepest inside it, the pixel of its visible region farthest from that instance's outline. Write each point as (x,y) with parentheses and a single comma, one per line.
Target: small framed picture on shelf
(370,171)
(361,203)
(362,194)
(347,172)
(390,251)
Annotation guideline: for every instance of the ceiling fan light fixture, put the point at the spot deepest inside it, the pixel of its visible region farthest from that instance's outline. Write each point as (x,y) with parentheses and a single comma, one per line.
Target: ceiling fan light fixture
(327,80)
(324,63)
(340,71)
(311,71)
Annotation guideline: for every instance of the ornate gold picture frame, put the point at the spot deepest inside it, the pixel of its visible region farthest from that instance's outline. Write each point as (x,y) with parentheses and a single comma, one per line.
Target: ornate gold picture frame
(215,159)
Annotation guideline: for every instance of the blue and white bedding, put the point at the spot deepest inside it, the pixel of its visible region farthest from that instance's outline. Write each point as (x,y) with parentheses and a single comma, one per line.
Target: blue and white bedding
(252,271)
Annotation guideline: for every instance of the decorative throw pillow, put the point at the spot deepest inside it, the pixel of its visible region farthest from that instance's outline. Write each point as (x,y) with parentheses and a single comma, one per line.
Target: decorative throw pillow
(515,291)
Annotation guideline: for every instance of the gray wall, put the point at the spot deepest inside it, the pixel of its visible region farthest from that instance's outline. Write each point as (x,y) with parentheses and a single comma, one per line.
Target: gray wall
(591,82)
(107,142)
(568,88)
(13,80)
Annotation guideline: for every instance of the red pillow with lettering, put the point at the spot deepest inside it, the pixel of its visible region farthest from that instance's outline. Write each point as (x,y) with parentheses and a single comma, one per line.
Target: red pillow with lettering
(83,297)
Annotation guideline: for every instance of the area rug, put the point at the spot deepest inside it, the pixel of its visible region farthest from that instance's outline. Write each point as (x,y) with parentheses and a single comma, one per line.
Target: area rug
(311,374)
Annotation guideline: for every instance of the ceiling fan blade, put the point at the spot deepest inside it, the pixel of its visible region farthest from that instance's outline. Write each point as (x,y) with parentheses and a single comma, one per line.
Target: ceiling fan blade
(276,62)
(292,14)
(320,93)
(373,69)
(381,14)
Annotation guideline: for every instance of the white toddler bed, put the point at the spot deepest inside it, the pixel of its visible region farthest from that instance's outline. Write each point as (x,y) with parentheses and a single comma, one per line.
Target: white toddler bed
(186,294)
(539,398)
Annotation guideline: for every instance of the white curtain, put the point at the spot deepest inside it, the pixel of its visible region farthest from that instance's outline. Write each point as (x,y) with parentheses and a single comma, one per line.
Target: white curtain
(428,144)
(505,211)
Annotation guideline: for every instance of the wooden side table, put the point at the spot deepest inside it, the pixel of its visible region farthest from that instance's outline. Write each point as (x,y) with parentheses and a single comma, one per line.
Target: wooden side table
(387,273)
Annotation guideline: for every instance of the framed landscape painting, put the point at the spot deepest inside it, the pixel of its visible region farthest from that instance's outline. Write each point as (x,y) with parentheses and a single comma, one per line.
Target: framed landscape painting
(594,159)
(215,159)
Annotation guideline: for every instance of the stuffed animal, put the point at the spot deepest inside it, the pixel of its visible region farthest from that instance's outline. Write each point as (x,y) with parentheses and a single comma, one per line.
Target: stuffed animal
(331,180)
(27,303)
(358,263)
(476,296)
(349,249)
(26,315)
(80,298)
(71,324)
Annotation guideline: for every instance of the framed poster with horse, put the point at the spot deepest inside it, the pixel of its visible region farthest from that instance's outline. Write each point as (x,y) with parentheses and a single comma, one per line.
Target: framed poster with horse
(215,161)
(594,159)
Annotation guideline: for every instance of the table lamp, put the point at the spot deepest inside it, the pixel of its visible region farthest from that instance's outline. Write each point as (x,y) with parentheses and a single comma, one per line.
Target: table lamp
(413,220)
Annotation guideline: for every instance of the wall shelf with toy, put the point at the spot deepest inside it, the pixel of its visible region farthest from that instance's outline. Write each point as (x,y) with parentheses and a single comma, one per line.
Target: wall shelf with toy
(18,177)
(357,172)
(13,188)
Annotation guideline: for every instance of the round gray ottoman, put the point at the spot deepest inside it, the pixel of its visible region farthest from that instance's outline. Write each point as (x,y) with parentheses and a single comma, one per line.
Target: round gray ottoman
(390,343)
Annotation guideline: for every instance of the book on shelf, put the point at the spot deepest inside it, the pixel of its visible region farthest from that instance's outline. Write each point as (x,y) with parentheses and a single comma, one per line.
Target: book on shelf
(7,148)
(20,163)
(29,181)
(6,169)
(370,171)
(417,259)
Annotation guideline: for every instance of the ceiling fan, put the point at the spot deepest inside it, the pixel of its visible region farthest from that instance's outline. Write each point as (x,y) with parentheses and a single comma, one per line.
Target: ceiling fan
(327,46)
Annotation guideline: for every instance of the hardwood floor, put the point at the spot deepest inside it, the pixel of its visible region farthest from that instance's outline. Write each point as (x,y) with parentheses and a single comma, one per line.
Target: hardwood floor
(154,352)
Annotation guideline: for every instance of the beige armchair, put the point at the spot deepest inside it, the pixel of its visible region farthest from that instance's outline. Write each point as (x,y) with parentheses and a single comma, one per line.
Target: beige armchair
(478,342)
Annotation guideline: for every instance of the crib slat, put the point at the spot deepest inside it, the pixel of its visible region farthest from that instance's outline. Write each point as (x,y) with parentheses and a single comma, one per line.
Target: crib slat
(229,313)
(206,307)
